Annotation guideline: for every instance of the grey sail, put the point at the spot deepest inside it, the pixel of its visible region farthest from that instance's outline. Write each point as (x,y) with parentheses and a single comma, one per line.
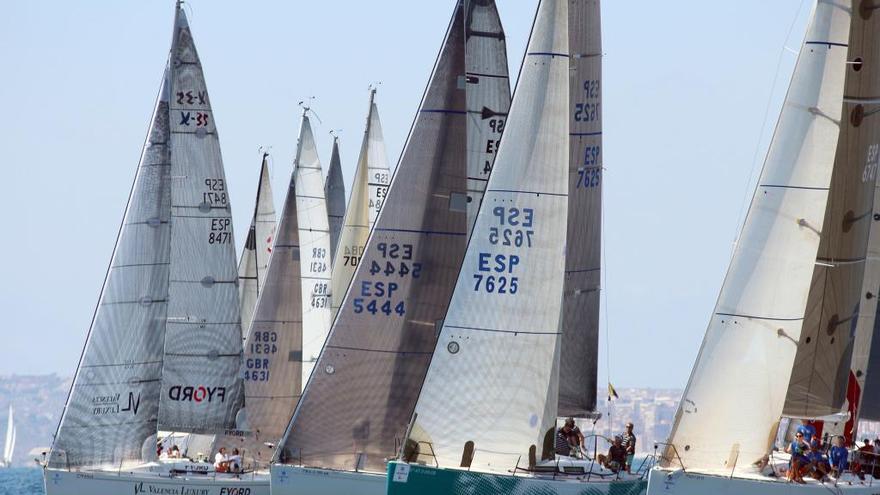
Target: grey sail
(334,191)
(110,414)
(870,402)
(368,375)
(257,248)
(821,368)
(201,379)
(580,300)
(488,96)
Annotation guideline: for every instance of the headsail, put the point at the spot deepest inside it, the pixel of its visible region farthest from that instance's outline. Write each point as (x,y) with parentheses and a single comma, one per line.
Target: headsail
(500,334)
(821,367)
(9,446)
(110,414)
(201,378)
(739,379)
(334,192)
(369,373)
(368,192)
(257,248)
(274,371)
(580,317)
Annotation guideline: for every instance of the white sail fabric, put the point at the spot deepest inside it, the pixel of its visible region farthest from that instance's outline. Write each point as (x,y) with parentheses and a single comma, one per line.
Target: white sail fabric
(500,335)
(201,377)
(314,239)
(257,248)
(110,414)
(334,192)
(292,308)
(730,409)
(488,96)
(9,446)
(368,191)
(580,319)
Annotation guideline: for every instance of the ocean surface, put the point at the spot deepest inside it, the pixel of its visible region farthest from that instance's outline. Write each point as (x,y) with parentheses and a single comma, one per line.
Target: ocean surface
(21,481)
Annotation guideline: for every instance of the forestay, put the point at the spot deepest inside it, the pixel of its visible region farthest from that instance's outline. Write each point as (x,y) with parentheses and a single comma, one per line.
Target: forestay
(201,388)
(821,367)
(257,248)
(110,414)
(334,192)
(367,194)
(500,334)
(580,318)
(749,347)
(368,376)
(488,96)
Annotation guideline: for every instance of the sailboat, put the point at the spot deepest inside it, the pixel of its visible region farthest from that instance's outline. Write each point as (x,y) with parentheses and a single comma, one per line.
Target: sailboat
(9,445)
(794,301)
(368,193)
(292,315)
(257,248)
(493,432)
(368,375)
(164,347)
(334,192)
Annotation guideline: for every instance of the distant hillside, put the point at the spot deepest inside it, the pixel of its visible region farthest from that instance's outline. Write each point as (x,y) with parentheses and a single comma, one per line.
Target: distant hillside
(38,402)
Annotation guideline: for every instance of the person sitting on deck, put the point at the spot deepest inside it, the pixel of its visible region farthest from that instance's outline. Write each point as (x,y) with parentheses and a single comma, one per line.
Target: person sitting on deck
(808,430)
(175,452)
(819,467)
(235,461)
(867,458)
(221,462)
(839,457)
(616,459)
(798,450)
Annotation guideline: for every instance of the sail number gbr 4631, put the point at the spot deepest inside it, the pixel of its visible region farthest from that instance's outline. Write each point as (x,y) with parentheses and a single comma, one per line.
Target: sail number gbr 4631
(511,227)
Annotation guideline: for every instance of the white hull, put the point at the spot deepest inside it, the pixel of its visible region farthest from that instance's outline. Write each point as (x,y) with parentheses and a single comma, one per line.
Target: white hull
(677,482)
(292,480)
(61,482)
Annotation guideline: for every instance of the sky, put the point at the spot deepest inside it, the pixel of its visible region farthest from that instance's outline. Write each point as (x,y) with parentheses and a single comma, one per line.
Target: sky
(692,90)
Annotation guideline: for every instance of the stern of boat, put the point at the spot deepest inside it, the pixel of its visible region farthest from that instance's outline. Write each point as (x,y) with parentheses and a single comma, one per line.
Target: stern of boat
(296,480)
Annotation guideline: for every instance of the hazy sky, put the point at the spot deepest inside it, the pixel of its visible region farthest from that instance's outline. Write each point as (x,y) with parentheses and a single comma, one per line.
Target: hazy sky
(686,87)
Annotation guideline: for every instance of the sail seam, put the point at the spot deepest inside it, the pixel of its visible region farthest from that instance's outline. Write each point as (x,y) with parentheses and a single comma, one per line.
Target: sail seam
(495,330)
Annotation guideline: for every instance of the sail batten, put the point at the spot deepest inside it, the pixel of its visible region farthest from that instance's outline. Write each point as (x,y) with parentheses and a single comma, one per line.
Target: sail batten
(747,360)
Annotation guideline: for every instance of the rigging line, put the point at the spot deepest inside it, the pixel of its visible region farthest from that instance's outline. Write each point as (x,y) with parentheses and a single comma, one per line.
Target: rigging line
(743,210)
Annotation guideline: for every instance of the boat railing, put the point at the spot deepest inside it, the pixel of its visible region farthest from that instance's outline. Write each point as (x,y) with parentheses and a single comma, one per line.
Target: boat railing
(663,458)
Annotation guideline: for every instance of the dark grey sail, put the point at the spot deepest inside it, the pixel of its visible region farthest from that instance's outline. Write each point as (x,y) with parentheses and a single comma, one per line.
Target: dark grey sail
(334,191)
(368,376)
(580,308)
(201,377)
(110,415)
(869,409)
(821,368)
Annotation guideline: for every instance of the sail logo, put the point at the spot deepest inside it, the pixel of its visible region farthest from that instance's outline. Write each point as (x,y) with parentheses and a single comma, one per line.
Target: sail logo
(197,394)
(113,404)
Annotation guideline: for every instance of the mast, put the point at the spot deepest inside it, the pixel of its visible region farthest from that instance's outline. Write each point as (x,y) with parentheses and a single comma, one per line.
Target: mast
(501,329)
(741,374)
(578,360)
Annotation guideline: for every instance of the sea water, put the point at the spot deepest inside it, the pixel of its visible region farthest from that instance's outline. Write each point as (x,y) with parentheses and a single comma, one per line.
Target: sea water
(21,481)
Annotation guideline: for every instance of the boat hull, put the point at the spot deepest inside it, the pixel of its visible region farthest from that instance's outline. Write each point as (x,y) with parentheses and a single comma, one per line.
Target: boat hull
(61,482)
(677,482)
(295,480)
(405,479)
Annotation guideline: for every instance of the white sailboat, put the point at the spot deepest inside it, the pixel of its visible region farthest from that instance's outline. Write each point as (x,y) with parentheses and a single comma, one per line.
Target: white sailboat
(9,445)
(368,375)
(368,193)
(789,308)
(493,432)
(257,248)
(164,348)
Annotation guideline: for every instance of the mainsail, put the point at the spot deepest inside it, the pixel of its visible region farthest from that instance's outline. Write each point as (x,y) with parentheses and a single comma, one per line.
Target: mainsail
(580,317)
(730,409)
(369,374)
(368,192)
(274,370)
(501,331)
(201,388)
(334,192)
(110,414)
(257,248)
(9,446)
(821,367)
